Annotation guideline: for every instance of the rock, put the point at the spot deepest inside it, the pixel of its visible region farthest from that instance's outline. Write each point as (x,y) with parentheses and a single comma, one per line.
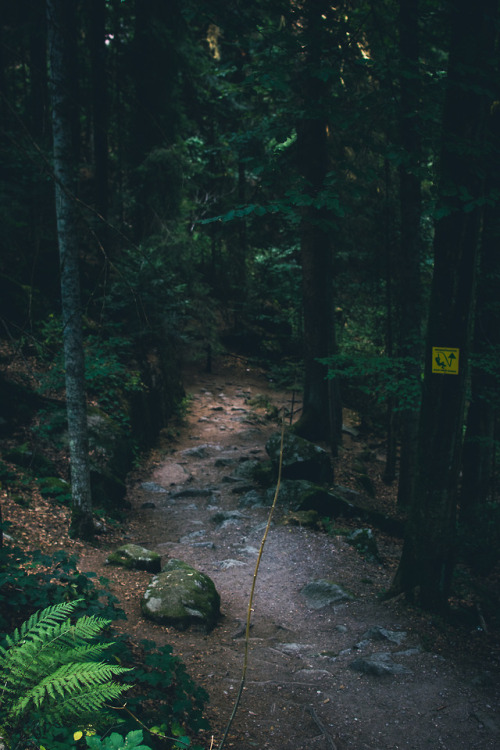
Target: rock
(230,563)
(293,649)
(322,593)
(194,492)
(180,597)
(201,451)
(224,462)
(135,556)
(192,536)
(379,664)
(302,495)
(226,517)
(251,499)
(378,633)
(301,458)
(153,487)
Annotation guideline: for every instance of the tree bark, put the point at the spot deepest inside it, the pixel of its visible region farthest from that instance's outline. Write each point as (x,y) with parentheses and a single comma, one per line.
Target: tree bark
(409,257)
(66,217)
(322,415)
(97,28)
(479,444)
(428,556)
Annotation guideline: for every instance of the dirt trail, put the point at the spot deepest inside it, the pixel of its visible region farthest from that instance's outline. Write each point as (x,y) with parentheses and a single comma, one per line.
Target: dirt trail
(302,691)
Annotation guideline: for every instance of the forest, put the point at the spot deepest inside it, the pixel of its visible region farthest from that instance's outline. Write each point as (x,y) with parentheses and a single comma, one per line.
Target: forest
(312,186)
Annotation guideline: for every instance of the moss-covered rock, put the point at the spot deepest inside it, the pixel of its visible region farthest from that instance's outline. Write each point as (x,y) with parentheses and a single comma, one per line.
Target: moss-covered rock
(182,597)
(301,458)
(135,556)
(301,495)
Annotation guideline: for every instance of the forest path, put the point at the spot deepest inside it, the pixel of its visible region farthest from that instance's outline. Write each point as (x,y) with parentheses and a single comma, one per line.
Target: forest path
(302,690)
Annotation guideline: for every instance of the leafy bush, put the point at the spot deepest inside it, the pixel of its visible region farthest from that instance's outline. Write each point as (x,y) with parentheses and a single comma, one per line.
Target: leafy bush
(115,741)
(164,696)
(31,581)
(107,373)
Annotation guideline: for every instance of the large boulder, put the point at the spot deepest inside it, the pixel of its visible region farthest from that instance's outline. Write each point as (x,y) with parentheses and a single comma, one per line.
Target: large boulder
(302,495)
(180,597)
(301,458)
(137,557)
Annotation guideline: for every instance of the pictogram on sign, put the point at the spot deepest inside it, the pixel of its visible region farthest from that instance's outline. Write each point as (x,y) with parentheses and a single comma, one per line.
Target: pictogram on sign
(444,360)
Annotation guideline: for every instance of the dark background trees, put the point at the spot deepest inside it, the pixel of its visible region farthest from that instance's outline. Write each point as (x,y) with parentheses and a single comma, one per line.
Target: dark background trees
(269,177)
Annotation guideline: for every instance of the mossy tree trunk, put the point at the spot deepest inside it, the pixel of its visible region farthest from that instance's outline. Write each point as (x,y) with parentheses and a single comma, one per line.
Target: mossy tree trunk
(67,217)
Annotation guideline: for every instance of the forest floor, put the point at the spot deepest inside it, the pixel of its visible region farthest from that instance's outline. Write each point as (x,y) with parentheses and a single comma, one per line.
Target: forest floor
(424,682)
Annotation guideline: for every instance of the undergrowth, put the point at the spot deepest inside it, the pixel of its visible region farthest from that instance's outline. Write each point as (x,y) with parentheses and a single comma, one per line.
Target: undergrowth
(161,696)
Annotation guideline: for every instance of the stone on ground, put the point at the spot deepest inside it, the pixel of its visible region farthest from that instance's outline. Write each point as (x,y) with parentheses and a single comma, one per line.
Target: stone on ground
(301,458)
(181,597)
(135,556)
(322,593)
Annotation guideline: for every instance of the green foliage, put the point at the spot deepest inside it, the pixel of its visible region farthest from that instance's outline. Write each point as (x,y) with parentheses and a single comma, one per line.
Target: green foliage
(32,581)
(163,693)
(108,374)
(380,378)
(114,741)
(56,489)
(51,671)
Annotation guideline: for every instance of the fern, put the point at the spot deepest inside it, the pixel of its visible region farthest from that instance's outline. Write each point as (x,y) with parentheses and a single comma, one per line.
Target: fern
(49,667)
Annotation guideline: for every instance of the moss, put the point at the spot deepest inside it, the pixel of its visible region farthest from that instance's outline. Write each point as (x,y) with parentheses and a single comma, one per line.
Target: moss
(135,557)
(180,597)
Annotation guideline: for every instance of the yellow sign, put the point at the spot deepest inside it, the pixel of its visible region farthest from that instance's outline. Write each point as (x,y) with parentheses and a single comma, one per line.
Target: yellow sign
(445,360)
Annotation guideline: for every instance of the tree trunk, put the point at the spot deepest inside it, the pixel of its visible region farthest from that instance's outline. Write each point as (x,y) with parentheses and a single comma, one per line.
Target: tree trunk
(99,103)
(66,217)
(409,256)
(429,548)
(479,443)
(322,415)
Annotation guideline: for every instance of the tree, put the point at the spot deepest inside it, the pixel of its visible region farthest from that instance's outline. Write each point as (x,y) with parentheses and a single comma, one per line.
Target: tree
(321,416)
(97,26)
(409,256)
(478,524)
(67,234)
(428,556)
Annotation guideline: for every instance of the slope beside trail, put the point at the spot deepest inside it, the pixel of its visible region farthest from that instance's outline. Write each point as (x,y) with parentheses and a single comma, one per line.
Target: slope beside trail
(361,674)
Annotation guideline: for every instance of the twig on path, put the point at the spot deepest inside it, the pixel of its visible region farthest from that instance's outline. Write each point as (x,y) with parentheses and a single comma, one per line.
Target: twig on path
(324,731)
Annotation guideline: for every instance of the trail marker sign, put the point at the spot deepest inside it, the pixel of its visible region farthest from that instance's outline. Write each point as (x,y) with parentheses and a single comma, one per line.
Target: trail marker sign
(445,360)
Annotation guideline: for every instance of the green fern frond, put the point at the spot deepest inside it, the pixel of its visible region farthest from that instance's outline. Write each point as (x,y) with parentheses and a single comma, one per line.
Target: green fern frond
(73,679)
(84,704)
(48,640)
(49,616)
(50,668)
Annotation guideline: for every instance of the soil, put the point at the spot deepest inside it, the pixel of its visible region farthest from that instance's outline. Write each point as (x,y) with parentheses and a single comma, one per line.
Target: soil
(301,690)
